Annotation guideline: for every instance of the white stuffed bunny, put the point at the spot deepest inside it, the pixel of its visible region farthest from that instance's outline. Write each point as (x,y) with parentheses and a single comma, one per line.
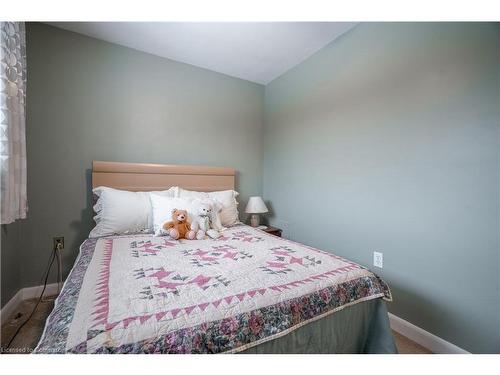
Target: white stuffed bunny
(206,220)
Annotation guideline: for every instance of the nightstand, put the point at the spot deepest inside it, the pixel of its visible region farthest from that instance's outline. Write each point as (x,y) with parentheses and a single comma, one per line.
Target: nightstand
(274,231)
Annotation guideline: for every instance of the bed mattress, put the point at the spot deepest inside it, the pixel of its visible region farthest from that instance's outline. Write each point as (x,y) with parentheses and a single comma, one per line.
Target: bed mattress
(146,294)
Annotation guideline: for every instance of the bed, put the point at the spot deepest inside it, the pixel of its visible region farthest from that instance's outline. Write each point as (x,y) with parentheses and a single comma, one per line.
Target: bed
(247,291)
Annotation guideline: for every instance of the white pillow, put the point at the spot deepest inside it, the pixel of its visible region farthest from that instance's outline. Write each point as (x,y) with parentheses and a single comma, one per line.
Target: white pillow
(123,212)
(227,198)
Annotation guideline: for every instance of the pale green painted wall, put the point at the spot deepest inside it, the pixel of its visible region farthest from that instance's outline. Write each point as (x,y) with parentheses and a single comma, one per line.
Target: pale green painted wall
(388,139)
(10,261)
(91,100)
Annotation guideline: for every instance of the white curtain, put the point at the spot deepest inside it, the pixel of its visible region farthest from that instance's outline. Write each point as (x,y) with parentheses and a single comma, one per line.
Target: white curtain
(12,122)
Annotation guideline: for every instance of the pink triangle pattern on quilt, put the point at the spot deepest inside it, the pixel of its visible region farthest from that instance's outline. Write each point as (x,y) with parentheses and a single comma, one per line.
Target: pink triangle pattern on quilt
(173,313)
(101,306)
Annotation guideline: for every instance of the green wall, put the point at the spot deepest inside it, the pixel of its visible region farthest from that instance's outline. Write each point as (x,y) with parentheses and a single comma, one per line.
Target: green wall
(10,261)
(91,100)
(388,139)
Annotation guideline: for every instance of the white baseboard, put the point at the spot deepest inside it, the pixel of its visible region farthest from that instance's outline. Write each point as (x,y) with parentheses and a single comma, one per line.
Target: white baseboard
(23,294)
(429,341)
(34,291)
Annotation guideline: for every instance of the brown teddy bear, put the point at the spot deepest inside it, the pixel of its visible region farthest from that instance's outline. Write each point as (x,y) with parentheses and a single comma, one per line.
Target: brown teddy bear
(179,226)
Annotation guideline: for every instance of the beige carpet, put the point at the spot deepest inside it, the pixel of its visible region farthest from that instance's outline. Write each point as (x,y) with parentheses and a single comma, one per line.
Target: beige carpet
(29,335)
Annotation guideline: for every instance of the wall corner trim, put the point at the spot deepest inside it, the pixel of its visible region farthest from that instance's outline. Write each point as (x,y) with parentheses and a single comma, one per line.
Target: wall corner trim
(428,340)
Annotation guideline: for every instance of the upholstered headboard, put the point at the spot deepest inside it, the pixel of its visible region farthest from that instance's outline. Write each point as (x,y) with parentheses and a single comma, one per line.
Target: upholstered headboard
(148,177)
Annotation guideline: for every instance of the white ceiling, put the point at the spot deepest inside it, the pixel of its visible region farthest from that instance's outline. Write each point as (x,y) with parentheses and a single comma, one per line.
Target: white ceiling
(258,51)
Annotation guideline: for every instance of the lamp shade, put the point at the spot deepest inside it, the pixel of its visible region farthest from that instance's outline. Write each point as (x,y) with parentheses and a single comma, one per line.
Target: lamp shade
(256,205)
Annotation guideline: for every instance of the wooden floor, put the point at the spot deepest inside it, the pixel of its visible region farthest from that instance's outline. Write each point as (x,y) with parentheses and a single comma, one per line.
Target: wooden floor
(406,346)
(29,335)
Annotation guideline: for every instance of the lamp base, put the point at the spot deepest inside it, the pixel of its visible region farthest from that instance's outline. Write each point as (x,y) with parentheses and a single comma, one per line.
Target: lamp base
(255,220)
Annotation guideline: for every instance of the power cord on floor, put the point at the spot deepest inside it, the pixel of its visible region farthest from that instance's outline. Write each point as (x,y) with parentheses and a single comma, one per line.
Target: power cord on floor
(59,276)
(51,298)
(54,254)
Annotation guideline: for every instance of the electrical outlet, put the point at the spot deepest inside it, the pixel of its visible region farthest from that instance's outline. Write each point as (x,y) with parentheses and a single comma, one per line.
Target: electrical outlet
(284,226)
(378,259)
(58,243)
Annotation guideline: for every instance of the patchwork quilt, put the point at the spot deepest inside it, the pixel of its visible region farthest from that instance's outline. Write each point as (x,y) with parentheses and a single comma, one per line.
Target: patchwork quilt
(145,294)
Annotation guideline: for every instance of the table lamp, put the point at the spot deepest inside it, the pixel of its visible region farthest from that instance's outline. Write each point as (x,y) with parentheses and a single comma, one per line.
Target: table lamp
(255,206)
